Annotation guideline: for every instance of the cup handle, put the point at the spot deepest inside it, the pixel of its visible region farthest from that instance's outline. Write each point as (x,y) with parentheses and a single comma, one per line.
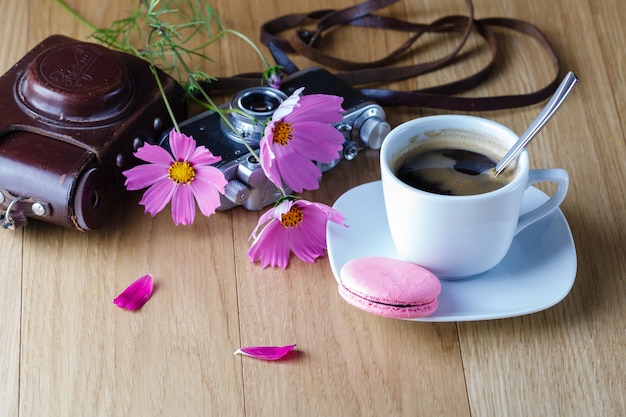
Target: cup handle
(557,175)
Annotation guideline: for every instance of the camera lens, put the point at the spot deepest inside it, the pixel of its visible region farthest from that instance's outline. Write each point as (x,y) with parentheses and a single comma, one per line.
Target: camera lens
(255,106)
(257,102)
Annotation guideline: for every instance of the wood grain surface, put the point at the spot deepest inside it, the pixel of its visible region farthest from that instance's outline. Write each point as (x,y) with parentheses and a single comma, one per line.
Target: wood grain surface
(66,350)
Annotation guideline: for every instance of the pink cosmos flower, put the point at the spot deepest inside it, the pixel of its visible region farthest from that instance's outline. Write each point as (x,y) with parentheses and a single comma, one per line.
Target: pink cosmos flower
(299,226)
(299,133)
(183,178)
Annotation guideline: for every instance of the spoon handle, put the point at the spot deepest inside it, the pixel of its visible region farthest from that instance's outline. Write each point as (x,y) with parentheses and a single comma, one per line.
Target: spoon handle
(548,111)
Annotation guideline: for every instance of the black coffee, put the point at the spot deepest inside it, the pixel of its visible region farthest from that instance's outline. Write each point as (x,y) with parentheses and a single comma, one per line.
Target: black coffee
(450,171)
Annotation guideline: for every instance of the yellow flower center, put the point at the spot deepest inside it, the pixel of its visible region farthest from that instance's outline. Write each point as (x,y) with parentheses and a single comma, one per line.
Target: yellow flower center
(292,218)
(181,172)
(282,133)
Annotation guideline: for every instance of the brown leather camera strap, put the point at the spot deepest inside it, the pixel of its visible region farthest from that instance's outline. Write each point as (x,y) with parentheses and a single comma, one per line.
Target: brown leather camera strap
(307,43)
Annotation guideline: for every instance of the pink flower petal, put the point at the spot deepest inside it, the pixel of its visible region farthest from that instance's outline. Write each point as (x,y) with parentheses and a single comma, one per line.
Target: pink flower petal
(268,353)
(182,146)
(143,176)
(320,108)
(271,247)
(287,106)
(154,154)
(157,196)
(203,156)
(207,187)
(183,205)
(136,295)
(311,145)
(300,173)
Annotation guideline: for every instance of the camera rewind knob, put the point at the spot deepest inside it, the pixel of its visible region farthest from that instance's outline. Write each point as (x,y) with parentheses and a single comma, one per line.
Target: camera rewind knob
(373,132)
(237,192)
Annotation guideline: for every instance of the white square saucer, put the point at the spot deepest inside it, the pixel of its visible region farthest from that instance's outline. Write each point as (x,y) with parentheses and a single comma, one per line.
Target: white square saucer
(537,272)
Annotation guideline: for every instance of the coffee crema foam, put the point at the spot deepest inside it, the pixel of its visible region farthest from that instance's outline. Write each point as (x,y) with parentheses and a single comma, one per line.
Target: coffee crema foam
(453,162)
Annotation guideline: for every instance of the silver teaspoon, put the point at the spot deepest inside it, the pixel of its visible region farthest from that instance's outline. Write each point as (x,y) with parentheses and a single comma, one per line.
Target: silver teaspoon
(548,111)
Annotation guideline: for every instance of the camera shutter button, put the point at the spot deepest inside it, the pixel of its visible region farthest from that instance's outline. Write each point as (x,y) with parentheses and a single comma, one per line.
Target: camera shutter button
(373,131)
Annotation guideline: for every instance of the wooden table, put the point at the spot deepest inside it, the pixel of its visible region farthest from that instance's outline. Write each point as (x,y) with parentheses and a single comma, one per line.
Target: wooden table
(66,350)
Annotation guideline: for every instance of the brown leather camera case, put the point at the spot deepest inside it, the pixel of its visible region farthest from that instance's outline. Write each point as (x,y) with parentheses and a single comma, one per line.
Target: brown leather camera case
(71,115)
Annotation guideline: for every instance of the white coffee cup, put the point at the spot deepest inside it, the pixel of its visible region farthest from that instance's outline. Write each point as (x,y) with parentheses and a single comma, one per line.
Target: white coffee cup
(459,236)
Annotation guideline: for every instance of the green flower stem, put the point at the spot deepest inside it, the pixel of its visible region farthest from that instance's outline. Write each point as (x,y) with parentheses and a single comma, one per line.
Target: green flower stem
(165,100)
(110,42)
(76,15)
(252,45)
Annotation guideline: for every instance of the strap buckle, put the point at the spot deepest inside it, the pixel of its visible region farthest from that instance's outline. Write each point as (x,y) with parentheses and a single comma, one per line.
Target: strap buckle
(19,209)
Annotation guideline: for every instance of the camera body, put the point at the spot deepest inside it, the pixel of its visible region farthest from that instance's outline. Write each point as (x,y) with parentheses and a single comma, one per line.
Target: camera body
(363,126)
(73,113)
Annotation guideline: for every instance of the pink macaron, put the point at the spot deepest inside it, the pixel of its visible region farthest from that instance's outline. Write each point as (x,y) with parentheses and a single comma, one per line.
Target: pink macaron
(389,287)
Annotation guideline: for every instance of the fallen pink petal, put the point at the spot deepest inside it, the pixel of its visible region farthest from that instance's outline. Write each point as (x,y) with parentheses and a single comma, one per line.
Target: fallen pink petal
(136,295)
(268,353)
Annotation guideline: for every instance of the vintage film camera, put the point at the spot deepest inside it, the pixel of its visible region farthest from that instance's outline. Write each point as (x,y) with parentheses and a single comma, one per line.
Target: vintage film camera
(72,114)
(363,125)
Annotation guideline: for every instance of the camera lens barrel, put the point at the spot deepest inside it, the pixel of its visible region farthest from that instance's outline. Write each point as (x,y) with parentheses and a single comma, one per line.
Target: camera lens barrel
(251,108)
(262,103)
